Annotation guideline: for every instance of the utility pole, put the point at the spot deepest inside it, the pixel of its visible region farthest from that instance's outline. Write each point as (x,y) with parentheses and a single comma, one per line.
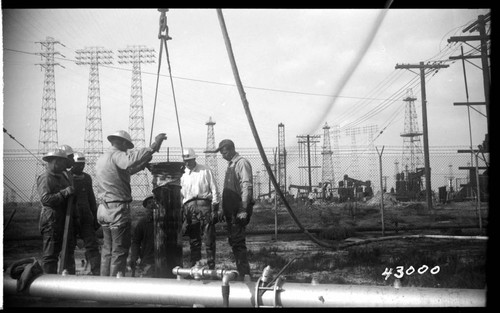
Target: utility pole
(309,167)
(480,26)
(422,67)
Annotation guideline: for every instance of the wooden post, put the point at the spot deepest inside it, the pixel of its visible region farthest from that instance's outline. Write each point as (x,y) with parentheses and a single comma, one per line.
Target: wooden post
(68,231)
(381,190)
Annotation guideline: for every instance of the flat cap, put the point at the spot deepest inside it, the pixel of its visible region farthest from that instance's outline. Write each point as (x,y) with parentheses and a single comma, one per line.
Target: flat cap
(225,143)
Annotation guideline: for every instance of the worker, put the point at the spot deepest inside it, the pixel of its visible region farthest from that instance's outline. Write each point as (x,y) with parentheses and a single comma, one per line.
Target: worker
(200,207)
(237,203)
(142,250)
(86,208)
(54,189)
(113,171)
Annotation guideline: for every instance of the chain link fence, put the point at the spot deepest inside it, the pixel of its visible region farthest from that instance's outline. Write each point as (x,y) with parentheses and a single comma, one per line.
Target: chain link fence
(298,172)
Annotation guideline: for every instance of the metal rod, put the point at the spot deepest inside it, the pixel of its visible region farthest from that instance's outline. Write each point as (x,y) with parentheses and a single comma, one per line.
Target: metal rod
(208,293)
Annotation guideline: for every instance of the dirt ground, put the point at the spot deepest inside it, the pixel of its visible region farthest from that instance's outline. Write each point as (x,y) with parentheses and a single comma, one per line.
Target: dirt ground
(457,257)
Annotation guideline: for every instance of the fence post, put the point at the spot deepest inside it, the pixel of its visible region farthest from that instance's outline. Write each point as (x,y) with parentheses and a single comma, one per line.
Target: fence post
(381,189)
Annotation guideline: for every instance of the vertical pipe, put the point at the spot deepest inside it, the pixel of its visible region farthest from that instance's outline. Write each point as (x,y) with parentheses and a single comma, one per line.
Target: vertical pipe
(478,206)
(168,218)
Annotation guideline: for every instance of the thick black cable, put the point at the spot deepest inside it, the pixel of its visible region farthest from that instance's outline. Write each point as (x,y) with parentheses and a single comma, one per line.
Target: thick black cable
(256,135)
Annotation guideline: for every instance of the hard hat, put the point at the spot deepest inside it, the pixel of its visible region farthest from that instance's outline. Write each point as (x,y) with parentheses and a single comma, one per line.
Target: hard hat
(122,135)
(67,149)
(79,157)
(55,153)
(146,199)
(189,154)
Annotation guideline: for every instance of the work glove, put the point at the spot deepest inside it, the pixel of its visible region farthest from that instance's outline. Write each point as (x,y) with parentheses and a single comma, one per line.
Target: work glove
(241,218)
(66,192)
(158,141)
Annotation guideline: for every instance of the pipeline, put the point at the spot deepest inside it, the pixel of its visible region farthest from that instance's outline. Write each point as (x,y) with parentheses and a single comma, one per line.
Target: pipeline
(188,293)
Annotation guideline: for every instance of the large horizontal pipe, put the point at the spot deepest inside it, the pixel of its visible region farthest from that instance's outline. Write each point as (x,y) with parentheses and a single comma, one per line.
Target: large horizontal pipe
(187,293)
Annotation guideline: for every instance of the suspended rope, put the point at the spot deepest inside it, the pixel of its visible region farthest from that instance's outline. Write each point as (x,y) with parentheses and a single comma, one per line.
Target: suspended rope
(163,36)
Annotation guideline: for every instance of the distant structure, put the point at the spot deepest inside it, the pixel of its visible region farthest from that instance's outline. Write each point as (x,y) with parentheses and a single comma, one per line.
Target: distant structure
(412,148)
(136,55)
(281,157)
(47,138)
(307,144)
(335,134)
(327,173)
(354,154)
(210,154)
(93,56)
(372,160)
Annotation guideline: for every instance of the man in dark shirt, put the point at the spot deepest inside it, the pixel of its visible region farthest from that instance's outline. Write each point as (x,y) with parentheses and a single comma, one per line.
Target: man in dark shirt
(237,202)
(54,189)
(142,247)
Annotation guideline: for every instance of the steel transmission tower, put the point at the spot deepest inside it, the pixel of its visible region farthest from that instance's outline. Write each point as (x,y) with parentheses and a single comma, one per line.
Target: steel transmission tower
(370,131)
(93,56)
(354,156)
(210,154)
(281,157)
(412,149)
(47,138)
(327,174)
(137,55)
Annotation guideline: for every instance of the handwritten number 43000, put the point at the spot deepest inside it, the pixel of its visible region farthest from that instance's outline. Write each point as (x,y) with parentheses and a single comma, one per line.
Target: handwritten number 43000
(400,272)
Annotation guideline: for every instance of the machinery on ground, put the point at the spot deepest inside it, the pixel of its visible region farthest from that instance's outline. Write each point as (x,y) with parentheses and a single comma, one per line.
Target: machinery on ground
(354,189)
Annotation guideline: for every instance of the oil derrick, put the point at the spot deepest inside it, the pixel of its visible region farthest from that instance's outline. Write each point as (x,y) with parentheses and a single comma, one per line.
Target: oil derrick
(354,155)
(412,149)
(137,55)
(306,144)
(335,133)
(210,154)
(47,138)
(281,157)
(372,164)
(93,56)
(327,173)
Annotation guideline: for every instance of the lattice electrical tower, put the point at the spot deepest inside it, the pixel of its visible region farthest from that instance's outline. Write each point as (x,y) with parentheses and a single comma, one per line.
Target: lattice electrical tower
(136,55)
(281,157)
(354,155)
(327,173)
(210,154)
(47,138)
(372,156)
(412,149)
(93,56)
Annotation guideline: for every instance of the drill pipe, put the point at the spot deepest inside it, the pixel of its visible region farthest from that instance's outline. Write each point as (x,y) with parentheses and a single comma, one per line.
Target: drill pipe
(172,292)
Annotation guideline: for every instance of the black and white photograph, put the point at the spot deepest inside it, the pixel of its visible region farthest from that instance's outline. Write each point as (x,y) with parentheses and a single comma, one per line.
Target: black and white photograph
(246,157)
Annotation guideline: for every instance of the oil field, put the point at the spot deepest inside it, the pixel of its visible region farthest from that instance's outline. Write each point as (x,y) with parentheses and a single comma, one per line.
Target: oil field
(380,199)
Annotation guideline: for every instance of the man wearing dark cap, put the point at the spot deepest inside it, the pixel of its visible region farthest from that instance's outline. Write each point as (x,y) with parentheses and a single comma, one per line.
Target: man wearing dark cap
(237,202)
(113,171)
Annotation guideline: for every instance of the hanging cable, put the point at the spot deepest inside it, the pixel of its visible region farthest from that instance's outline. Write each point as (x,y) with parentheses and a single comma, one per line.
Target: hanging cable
(5,131)
(163,36)
(256,135)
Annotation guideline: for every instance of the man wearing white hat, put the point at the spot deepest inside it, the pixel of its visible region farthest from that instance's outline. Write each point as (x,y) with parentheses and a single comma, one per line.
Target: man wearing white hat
(54,189)
(113,171)
(200,206)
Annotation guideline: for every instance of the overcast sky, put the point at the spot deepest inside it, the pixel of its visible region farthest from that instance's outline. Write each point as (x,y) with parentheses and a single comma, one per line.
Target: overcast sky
(299,67)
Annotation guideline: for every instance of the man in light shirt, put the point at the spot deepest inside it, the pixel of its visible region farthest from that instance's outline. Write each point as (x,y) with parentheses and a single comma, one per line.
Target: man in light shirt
(200,207)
